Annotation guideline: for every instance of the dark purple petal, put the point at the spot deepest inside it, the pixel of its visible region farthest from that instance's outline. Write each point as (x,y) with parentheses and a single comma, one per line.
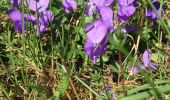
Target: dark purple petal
(131,28)
(122,18)
(150,12)
(164,6)
(95,50)
(156,4)
(153,67)
(18,26)
(135,3)
(100,48)
(15,3)
(88,48)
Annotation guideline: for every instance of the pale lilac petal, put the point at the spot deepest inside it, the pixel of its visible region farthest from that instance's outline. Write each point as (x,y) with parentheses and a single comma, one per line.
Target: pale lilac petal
(134,70)
(146,58)
(106,15)
(120,2)
(69,5)
(40,6)
(42,28)
(99,2)
(125,2)
(15,15)
(141,66)
(43,5)
(126,11)
(128,2)
(108,2)
(97,34)
(32,4)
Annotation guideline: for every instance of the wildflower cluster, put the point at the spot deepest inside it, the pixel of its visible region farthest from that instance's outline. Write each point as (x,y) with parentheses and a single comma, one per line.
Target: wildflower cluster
(97,31)
(39,7)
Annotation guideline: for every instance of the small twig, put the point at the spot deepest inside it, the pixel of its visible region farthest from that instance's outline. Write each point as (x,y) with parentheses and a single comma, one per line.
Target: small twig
(121,77)
(68,96)
(74,89)
(71,83)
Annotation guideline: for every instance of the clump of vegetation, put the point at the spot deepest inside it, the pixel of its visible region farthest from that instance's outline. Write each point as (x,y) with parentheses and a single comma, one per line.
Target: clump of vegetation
(84,49)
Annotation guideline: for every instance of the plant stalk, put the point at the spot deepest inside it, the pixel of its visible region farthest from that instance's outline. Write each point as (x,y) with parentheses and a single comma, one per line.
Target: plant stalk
(121,76)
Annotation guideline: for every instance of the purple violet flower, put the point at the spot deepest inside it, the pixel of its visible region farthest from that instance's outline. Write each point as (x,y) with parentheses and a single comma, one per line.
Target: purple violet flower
(30,18)
(16,16)
(126,9)
(44,19)
(96,31)
(69,5)
(134,70)
(146,59)
(93,4)
(39,5)
(45,16)
(95,50)
(150,12)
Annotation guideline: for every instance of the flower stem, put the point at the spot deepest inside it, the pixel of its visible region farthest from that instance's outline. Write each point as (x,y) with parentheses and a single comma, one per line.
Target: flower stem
(121,76)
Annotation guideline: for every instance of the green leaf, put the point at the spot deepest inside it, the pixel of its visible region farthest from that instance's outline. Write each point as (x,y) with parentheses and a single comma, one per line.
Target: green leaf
(147,94)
